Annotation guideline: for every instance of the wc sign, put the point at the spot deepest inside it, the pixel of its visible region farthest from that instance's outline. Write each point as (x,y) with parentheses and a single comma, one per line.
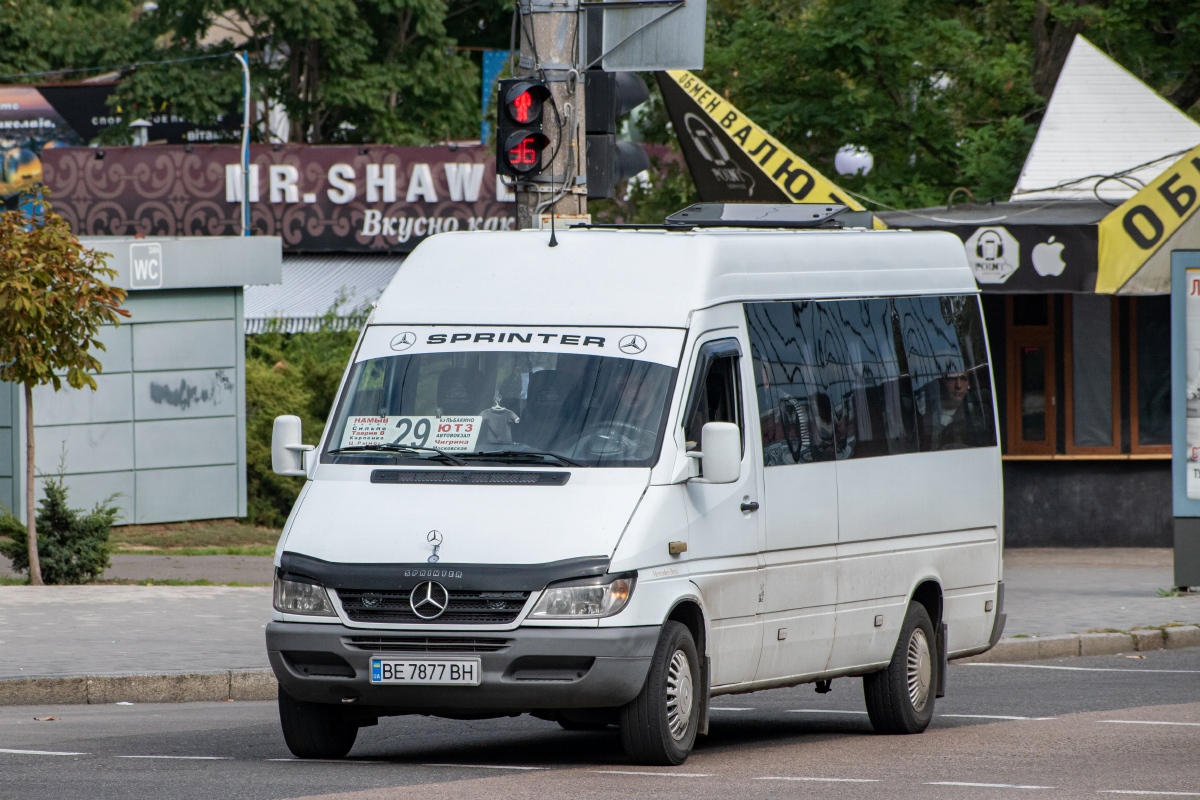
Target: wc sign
(145,265)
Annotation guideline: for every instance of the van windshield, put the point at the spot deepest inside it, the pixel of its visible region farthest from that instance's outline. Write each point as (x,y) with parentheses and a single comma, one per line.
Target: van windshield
(502,406)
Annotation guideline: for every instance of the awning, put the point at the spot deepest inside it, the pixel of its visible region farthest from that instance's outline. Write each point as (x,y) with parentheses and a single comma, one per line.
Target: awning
(335,291)
(1047,247)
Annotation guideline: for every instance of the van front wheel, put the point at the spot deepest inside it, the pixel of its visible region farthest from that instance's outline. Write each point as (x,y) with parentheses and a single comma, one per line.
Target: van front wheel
(315,730)
(659,726)
(900,696)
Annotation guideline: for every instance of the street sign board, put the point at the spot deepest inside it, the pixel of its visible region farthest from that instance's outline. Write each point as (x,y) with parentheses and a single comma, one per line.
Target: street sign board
(653,35)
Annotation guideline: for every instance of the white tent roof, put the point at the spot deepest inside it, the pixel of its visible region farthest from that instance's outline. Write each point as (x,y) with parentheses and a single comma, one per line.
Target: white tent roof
(1101,121)
(313,286)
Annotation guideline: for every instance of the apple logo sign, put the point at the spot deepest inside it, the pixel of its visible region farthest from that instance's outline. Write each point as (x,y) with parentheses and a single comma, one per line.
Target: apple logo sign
(1047,258)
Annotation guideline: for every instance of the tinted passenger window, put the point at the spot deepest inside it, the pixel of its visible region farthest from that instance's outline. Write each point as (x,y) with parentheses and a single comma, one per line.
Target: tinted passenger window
(870,380)
(795,411)
(872,377)
(943,342)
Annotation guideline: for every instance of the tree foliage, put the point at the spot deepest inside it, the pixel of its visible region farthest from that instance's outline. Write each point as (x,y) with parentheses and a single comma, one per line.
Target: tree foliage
(344,70)
(72,545)
(288,373)
(944,93)
(53,301)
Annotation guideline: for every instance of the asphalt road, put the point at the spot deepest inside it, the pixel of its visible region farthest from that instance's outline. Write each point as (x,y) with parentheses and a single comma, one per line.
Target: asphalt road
(1082,727)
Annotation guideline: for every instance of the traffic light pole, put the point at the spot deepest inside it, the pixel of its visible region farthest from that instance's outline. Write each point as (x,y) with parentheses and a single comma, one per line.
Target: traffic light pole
(550,51)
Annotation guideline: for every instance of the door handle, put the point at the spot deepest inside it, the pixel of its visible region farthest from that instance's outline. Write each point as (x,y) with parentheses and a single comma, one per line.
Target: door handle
(751,506)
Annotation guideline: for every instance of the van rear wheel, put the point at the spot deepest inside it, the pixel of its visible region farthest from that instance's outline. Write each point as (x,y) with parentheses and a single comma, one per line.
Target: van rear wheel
(900,697)
(659,726)
(315,730)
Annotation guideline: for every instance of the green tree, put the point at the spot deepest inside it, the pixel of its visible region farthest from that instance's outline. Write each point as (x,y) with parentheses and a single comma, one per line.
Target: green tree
(72,545)
(53,301)
(289,373)
(944,93)
(344,70)
(68,34)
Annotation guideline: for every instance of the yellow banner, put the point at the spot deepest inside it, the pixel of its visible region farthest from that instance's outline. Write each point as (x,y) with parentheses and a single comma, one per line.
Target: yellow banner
(1136,230)
(792,174)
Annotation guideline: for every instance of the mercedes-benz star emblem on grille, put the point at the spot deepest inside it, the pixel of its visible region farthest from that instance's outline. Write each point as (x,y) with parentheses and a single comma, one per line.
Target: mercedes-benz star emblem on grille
(429,599)
(632,344)
(403,341)
(435,539)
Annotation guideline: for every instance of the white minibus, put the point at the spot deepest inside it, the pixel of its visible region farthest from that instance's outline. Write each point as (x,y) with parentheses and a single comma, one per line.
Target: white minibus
(604,477)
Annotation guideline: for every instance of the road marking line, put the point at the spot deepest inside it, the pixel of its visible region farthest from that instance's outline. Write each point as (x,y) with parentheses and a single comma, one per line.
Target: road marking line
(993,716)
(1152,722)
(39,752)
(659,774)
(1088,669)
(481,766)
(821,711)
(1142,791)
(186,758)
(723,708)
(821,780)
(987,785)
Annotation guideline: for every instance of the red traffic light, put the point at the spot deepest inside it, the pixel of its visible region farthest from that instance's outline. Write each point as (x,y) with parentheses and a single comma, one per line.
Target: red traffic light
(524,100)
(523,150)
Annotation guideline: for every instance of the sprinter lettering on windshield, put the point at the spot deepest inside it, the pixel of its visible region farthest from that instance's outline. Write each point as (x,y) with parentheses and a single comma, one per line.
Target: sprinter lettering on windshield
(523,338)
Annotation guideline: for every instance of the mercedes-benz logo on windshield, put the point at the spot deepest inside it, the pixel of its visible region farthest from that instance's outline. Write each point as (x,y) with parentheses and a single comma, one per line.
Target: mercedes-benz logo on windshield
(429,599)
(403,341)
(435,539)
(632,344)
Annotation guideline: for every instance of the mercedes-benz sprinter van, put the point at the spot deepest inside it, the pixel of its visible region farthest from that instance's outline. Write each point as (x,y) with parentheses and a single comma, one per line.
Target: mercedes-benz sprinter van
(604,481)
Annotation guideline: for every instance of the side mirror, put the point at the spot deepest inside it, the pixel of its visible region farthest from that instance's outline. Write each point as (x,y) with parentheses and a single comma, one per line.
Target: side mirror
(721,459)
(287,451)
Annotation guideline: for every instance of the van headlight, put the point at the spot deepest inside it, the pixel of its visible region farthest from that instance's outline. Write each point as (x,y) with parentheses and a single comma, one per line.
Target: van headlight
(589,597)
(300,597)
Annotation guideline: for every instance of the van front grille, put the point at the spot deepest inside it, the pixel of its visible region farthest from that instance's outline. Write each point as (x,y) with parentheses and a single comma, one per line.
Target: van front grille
(464,607)
(427,644)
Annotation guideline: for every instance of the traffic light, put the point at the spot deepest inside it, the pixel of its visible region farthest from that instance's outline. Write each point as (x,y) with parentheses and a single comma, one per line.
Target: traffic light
(520,136)
(608,96)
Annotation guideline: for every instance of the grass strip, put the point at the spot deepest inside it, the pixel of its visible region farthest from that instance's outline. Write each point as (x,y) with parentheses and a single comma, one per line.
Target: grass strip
(243,550)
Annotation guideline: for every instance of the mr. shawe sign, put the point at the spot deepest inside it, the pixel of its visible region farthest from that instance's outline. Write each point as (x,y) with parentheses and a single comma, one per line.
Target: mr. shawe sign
(318,198)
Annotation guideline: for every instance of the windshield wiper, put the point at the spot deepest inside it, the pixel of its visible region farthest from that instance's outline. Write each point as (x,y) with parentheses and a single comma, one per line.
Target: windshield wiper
(389,447)
(509,455)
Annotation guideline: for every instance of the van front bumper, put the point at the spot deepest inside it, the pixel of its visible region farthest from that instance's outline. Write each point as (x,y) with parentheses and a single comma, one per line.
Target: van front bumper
(526,669)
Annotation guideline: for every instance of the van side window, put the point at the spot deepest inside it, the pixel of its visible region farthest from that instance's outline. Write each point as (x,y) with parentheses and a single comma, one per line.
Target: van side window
(943,340)
(795,410)
(861,378)
(716,396)
(869,380)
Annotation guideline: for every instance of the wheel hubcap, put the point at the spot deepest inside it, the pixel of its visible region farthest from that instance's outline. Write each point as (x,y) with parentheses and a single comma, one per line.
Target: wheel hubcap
(920,669)
(679,694)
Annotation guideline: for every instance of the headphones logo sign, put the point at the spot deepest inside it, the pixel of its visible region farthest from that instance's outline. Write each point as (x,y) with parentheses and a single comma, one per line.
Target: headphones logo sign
(994,254)
(723,168)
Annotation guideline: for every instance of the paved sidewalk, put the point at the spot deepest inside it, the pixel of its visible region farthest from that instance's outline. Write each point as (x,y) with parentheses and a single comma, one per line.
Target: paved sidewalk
(98,630)
(252,570)
(1066,590)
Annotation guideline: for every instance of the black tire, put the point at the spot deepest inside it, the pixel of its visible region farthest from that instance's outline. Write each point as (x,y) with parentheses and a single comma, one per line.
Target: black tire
(315,730)
(900,699)
(659,726)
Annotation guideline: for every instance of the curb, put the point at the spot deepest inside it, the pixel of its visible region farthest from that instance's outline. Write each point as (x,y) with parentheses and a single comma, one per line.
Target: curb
(260,684)
(1090,644)
(169,687)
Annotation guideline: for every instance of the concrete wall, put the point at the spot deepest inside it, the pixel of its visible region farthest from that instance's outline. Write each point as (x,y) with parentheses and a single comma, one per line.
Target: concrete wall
(1087,504)
(165,429)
